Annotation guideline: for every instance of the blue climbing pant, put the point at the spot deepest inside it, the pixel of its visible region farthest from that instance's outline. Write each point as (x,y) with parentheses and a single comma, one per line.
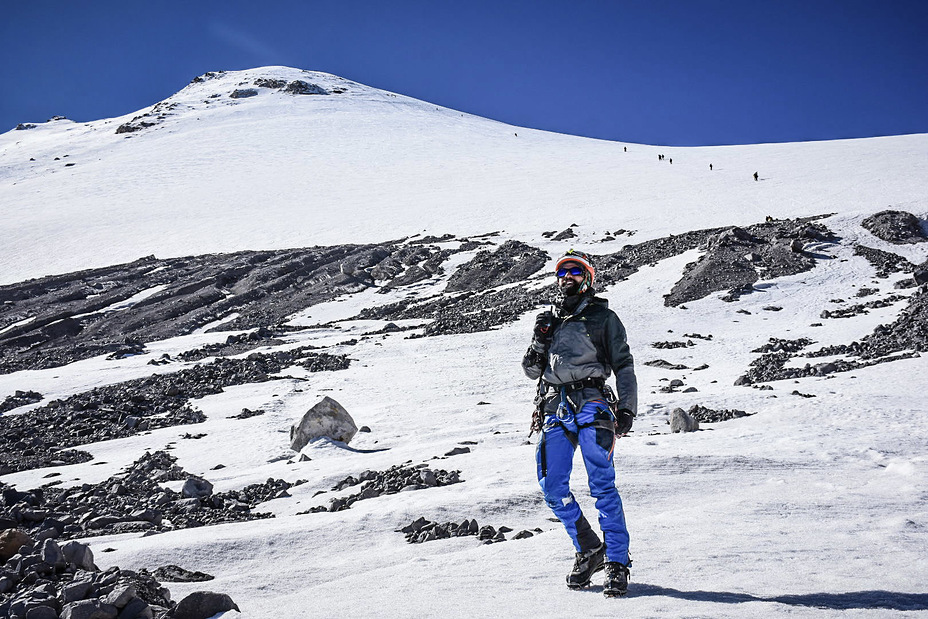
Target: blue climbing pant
(590,429)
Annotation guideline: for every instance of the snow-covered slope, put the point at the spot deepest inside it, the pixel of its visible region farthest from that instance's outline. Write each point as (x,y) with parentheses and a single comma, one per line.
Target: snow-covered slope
(812,506)
(279,170)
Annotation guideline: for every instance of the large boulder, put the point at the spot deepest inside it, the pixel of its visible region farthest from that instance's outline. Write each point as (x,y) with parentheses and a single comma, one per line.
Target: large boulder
(79,554)
(203,605)
(681,421)
(10,542)
(329,419)
(897,227)
(89,609)
(196,488)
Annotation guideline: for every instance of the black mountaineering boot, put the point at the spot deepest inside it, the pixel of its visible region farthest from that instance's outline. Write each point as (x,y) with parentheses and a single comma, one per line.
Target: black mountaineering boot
(585,564)
(616,584)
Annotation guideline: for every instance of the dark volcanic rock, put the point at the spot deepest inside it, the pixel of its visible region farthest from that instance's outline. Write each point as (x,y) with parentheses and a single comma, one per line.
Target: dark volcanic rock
(398,478)
(897,227)
(666,365)
(19,398)
(174,573)
(736,258)
(133,501)
(469,312)
(299,87)
(422,530)
(908,332)
(48,580)
(132,127)
(670,345)
(71,321)
(854,310)
(72,318)
(904,338)
(708,415)
(270,83)
(234,345)
(511,262)
(884,262)
(724,266)
(203,605)
(778,345)
(39,438)
(243,93)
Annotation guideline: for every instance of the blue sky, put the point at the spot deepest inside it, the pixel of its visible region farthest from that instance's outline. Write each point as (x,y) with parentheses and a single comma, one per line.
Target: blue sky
(672,72)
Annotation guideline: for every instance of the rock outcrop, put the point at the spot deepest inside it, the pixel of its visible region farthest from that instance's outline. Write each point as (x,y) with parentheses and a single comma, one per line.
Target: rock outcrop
(897,227)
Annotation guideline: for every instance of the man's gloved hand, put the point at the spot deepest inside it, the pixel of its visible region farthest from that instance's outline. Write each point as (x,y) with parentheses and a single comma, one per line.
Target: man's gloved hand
(543,331)
(623,421)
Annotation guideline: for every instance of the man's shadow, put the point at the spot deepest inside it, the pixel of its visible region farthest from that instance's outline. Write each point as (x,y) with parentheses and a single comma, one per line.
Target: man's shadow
(833,601)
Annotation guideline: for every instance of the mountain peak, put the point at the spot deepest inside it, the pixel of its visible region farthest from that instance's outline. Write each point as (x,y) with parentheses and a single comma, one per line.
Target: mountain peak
(215,89)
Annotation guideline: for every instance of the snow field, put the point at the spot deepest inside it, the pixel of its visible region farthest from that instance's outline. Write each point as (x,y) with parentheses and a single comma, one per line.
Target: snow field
(811,507)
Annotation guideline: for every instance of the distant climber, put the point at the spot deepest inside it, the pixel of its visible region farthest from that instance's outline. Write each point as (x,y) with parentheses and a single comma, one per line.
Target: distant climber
(671,161)
(710,167)
(625,148)
(755,176)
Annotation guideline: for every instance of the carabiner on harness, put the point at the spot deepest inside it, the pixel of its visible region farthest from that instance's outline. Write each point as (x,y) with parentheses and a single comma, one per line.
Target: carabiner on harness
(565,412)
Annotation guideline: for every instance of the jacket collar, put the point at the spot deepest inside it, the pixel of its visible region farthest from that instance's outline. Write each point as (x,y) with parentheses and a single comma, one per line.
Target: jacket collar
(571,307)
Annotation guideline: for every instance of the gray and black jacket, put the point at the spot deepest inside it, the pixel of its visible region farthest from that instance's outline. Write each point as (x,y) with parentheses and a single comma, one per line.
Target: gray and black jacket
(590,342)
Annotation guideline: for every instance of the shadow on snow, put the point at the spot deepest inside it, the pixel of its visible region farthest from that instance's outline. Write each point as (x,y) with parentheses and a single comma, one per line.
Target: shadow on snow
(835,601)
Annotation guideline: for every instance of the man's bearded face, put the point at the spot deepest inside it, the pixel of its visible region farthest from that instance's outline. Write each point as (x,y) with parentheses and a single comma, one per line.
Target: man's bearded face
(569,285)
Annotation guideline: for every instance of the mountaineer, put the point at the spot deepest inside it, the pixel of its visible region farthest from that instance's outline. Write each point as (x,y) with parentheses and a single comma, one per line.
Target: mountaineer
(574,350)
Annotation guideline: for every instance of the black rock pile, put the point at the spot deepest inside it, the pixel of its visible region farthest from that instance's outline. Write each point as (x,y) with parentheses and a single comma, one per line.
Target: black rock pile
(781,345)
(234,345)
(175,573)
(299,87)
(897,227)
(39,438)
(909,332)
(45,580)
(422,530)
(904,338)
(708,415)
(154,117)
(464,309)
(665,365)
(770,367)
(861,308)
(19,398)
(71,318)
(400,478)
(134,501)
(473,310)
(66,318)
(671,345)
(324,362)
(512,262)
(735,258)
(884,262)
(247,413)
(264,82)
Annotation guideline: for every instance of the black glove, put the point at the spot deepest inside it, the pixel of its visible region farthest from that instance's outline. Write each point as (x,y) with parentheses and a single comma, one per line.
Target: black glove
(543,331)
(623,421)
